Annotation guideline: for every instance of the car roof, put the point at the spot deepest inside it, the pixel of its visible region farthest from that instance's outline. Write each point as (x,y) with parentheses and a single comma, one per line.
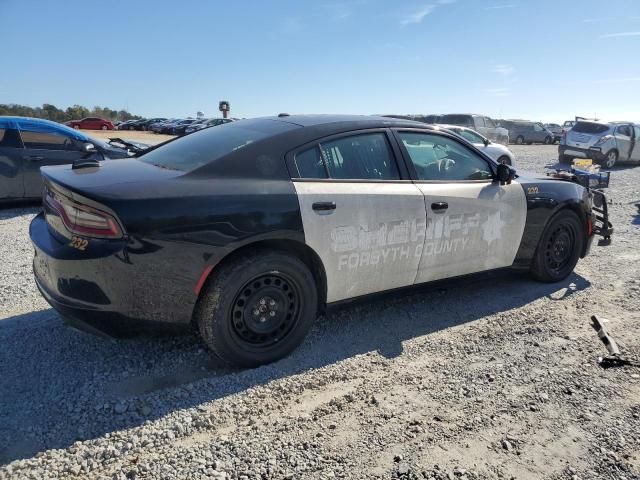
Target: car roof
(12,121)
(361,121)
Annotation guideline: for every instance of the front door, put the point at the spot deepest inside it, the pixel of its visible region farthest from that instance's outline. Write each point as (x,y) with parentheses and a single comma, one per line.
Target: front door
(624,136)
(635,153)
(11,171)
(42,147)
(361,215)
(473,223)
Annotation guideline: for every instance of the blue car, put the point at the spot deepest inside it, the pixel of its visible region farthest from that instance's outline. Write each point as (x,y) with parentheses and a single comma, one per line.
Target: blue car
(26,144)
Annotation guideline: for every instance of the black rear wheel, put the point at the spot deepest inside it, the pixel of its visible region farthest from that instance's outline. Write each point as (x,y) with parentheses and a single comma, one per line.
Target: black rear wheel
(559,248)
(257,308)
(519,140)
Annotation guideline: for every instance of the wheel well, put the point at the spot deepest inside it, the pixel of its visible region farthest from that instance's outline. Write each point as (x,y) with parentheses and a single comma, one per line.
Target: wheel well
(291,247)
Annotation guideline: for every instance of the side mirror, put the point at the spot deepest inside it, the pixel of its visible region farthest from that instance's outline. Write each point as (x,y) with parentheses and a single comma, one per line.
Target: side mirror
(505,174)
(89,147)
(486,142)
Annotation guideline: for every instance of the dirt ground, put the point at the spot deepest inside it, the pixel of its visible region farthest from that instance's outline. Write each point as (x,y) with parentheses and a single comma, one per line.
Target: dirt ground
(496,377)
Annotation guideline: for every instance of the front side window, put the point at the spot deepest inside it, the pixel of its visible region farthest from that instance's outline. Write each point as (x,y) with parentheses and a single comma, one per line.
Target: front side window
(360,157)
(489,123)
(441,158)
(537,128)
(479,121)
(624,130)
(46,140)
(9,138)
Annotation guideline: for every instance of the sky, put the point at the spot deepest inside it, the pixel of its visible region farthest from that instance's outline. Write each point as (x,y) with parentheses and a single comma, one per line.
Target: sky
(545,60)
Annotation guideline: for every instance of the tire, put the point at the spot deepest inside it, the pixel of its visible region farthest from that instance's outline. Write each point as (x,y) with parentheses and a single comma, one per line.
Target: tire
(104,127)
(559,248)
(519,140)
(240,314)
(610,159)
(77,127)
(548,140)
(504,159)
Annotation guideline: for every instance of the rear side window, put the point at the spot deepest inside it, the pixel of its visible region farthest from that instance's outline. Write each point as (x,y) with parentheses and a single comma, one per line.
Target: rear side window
(9,138)
(489,123)
(360,157)
(590,127)
(210,144)
(46,141)
(479,121)
(365,156)
(310,164)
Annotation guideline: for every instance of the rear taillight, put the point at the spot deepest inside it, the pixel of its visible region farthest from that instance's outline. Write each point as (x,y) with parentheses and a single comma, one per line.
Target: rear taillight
(81,219)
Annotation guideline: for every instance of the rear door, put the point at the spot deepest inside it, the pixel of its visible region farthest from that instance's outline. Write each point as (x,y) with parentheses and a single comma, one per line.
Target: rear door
(473,223)
(361,213)
(11,162)
(44,145)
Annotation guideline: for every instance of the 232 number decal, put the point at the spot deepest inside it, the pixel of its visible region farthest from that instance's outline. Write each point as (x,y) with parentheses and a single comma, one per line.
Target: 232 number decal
(79,243)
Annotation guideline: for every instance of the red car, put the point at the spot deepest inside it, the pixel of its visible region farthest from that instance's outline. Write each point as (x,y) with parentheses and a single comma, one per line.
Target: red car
(91,123)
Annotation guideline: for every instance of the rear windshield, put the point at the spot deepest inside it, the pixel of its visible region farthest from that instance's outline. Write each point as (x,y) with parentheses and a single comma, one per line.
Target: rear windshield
(589,127)
(205,146)
(464,120)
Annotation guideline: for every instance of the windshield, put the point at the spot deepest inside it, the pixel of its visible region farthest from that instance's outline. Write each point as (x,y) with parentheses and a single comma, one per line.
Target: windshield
(207,145)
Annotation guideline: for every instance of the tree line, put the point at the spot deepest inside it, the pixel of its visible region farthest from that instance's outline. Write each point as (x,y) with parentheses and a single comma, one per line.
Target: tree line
(76,112)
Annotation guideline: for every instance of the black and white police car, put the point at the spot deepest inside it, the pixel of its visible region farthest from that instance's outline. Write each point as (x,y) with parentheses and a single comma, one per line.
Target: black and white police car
(248,230)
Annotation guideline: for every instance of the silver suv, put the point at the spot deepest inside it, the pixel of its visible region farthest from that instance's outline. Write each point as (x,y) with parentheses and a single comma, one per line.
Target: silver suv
(480,123)
(605,143)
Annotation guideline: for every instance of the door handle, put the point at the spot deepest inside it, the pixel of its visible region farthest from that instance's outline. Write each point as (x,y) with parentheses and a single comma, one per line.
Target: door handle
(34,158)
(439,206)
(324,206)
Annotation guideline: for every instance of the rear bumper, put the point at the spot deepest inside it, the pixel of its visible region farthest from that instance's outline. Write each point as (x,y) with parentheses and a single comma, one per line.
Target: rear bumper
(108,288)
(575,152)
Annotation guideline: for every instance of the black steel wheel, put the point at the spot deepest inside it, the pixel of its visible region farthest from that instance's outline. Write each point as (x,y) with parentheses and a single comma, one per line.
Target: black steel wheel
(519,140)
(560,247)
(266,310)
(258,308)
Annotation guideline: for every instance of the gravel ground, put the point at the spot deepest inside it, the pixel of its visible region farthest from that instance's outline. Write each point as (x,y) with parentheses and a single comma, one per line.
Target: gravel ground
(496,377)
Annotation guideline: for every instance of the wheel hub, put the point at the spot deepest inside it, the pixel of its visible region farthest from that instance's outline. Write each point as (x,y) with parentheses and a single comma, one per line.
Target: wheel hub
(265,310)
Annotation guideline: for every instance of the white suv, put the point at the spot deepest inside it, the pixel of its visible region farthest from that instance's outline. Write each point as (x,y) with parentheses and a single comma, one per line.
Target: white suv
(605,143)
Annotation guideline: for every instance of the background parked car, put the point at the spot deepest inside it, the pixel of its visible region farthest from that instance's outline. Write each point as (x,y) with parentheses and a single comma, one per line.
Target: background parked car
(523,131)
(91,123)
(555,129)
(178,128)
(605,143)
(26,144)
(128,125)
(210,122)
(499,153)
(144,124)
(480,123)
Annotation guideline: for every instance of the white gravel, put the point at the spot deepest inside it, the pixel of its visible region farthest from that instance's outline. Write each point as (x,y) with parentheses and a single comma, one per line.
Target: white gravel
(492,378)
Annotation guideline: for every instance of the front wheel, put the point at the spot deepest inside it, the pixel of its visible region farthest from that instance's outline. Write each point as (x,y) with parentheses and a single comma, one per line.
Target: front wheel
(520,140)
(258,308)
(559,248)
(104,127)
(548,140)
